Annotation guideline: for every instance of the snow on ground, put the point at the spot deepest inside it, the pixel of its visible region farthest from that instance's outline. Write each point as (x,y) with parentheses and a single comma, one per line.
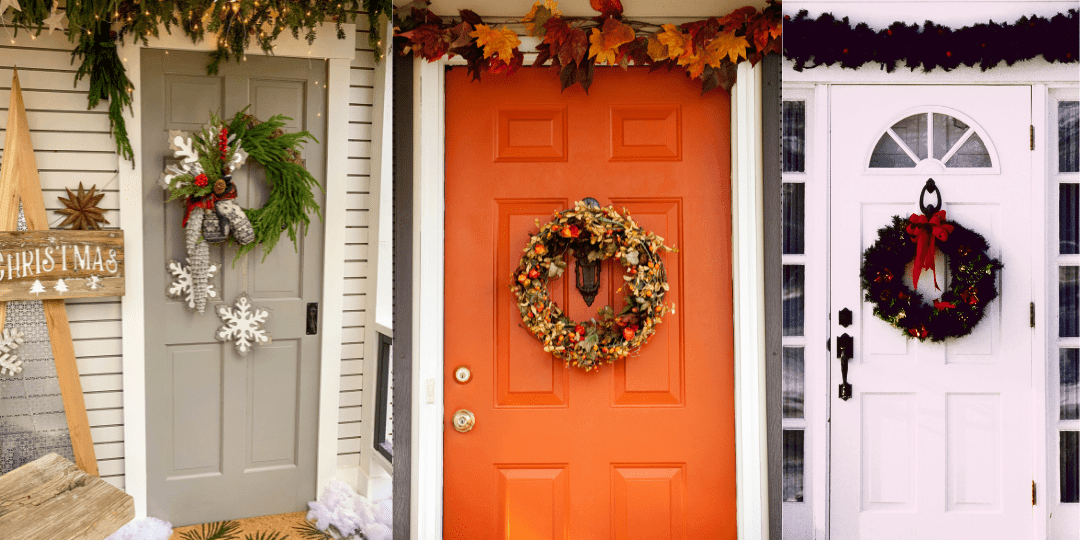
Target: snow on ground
(350,513)
(143,529)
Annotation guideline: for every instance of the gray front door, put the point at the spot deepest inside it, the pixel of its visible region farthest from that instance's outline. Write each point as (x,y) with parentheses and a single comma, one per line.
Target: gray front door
(229,436)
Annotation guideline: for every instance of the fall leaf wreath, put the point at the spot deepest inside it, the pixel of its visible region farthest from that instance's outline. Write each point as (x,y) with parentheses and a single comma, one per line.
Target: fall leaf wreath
(203,180)
(914,240)
(602,233)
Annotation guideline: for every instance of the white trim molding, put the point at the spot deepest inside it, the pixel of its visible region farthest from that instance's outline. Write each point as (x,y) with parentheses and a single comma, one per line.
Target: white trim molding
(748,277)
(339,53)
(429,208)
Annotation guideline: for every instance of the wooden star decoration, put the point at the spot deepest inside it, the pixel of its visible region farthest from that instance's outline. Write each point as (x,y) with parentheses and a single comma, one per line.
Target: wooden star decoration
(82,211)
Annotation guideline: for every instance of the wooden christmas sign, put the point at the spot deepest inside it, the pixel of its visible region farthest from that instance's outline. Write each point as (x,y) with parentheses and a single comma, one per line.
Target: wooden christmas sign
(48,265)
(39,262)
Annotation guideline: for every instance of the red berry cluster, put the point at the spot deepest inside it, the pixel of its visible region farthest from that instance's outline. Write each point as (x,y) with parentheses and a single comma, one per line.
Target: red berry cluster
(223,143)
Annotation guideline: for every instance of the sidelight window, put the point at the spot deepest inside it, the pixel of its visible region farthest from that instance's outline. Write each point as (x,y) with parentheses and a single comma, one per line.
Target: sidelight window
(1065,273)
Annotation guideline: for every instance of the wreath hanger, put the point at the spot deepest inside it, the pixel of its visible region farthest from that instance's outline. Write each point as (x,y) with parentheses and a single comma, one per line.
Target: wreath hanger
(932,189)
(586,272)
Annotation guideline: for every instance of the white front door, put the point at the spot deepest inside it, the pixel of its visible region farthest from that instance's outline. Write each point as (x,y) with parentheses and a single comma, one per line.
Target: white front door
(936,441)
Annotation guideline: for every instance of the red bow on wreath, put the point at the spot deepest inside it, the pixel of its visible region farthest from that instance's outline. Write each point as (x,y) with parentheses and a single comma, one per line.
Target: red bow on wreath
(924,232)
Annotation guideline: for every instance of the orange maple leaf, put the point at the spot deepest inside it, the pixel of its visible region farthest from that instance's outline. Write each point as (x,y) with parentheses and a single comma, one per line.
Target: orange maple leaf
(605,43)
(657,50)
(726,44)
(498,43)
(677,42)
(541,11)
(695,64)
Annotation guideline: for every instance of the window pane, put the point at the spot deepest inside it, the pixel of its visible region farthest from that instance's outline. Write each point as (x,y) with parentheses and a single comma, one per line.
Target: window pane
(794,202)
(888,155)
(912,130)
(794,276)
(972,154)
(1068,301)
(793,465)
(794,136)
(1069,371)
(947,132)
(1069,136)
(1069,219)
(794,382)
(1070,466)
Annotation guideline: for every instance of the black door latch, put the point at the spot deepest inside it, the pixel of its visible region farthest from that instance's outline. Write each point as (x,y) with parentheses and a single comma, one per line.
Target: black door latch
(313,318)
(845,350)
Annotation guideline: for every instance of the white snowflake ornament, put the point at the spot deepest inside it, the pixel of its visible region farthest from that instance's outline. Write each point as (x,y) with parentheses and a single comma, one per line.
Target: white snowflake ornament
(243,325)
(184,284)
(9,341)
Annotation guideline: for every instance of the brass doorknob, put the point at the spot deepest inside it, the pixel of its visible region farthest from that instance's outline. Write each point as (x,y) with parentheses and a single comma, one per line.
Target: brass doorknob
(463,420)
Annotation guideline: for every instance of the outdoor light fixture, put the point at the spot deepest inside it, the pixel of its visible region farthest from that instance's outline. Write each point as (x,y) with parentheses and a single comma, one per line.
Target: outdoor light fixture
(586,272)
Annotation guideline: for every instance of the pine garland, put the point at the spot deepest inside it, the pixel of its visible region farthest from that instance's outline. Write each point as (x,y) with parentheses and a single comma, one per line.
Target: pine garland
(827,40)
(95,26)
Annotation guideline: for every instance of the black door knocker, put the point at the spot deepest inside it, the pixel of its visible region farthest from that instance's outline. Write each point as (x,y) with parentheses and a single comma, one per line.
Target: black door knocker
(932,189)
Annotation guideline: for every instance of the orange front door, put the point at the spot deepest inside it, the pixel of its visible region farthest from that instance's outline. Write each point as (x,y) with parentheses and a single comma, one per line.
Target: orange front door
(643,448)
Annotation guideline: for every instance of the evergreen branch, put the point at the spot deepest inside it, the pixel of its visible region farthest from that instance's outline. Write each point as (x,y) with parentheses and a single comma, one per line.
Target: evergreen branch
(309,531)
(264,535)
(221,530)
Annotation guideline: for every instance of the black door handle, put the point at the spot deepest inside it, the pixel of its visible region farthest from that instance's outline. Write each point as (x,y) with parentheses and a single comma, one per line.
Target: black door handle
(845,350)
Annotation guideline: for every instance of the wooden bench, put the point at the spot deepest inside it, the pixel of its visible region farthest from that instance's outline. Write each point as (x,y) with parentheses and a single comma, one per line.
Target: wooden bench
(53,499)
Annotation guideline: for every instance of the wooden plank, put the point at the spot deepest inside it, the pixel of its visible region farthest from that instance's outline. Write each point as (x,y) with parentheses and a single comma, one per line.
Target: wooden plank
(21,179)
(352,382)
(42,100)
(357,219)
(57,264)
(47,80)
(348,460)
(72,140)
(351,399)
(52,498)
(67,121)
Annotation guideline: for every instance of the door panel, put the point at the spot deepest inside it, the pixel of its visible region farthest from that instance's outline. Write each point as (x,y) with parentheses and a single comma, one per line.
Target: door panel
(643,448)
(937,435)
(241,440)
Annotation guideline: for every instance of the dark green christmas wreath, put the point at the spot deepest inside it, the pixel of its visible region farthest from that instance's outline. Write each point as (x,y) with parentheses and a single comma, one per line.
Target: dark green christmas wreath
(961,305)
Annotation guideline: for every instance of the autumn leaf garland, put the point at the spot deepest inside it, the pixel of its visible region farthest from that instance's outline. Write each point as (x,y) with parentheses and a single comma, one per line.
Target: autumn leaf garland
(708,49)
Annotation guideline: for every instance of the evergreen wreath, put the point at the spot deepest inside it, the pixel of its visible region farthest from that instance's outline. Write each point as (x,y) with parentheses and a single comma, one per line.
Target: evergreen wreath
(203,179)
(598,233)
(210,157)
(961,305)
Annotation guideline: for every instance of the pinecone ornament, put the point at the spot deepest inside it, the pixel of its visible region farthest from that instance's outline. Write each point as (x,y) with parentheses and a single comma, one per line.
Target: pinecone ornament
(199,257)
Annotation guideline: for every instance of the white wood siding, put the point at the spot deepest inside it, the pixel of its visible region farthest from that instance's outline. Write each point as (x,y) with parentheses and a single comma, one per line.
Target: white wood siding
(73,144)
(356,238)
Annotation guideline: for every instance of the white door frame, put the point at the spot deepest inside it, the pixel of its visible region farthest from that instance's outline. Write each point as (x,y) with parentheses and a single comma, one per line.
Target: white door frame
(748,273)
(338,53)
(1042,77)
